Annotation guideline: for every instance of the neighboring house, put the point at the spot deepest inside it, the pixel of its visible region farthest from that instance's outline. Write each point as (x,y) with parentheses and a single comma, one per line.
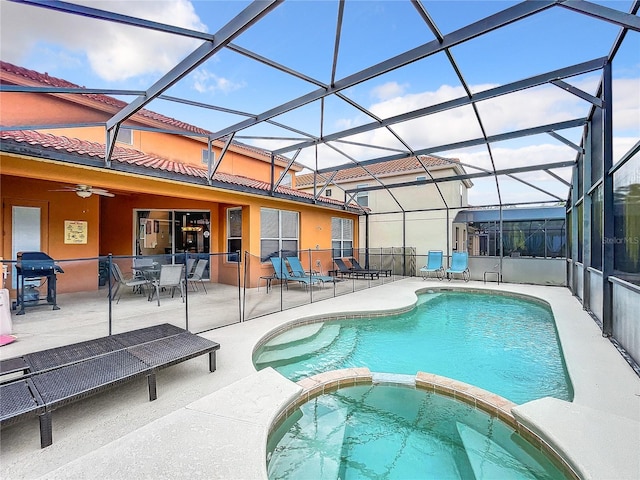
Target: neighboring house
(425,205)
(164,200)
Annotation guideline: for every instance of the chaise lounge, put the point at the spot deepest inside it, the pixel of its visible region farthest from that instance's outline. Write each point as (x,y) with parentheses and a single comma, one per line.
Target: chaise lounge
(282,273)
(297,270)
(59,376)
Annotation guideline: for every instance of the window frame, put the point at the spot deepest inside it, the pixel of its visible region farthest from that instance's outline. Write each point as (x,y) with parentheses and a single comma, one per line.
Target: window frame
(342,248)
(362,195)
(281,239)
(121,132)
(232,256)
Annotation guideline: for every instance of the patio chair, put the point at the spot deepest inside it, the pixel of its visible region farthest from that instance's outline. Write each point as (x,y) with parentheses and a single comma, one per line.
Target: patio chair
(191,262)
(297,270)
(282,273)
(198,275)
(137,284)
(434,265)
(171,276)
(459,265)
(140,265)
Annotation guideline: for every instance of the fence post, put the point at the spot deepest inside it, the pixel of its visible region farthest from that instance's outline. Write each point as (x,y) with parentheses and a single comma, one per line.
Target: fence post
(240,310)
(109,270)
(186,289)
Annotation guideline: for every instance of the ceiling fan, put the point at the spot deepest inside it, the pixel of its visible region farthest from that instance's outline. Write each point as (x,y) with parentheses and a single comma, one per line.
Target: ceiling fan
(85,191)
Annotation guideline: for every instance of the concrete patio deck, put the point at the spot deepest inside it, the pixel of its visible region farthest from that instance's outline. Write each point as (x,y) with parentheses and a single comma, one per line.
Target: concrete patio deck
(215,425)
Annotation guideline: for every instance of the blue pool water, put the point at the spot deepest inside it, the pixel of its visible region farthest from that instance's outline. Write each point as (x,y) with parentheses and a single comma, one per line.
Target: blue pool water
(503,344)
(393,432)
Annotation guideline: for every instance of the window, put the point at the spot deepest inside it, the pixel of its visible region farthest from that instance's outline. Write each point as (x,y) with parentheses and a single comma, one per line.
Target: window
(205,156)
(278,231)
(530,238)
(327,192)
(596,228)
(286,180)
(341,237)
(362,197)
(421,179)
(234,234)
(125,135)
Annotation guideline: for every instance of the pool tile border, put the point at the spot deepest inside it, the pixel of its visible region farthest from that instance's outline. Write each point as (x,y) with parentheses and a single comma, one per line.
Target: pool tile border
(496,406)
(490,403)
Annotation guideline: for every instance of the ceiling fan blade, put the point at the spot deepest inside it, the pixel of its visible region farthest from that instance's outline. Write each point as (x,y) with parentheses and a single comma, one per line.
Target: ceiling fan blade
(104,193)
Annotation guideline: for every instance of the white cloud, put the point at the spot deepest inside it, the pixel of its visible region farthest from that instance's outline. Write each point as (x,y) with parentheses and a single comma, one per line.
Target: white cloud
(388,90)
(205,81)
(115,52)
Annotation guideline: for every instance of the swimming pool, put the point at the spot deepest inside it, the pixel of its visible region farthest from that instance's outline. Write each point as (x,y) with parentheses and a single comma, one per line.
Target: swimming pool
(505,344)
(397,432)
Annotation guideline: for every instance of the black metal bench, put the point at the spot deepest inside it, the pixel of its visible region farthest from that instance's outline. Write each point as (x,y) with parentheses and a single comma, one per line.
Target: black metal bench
(59,376)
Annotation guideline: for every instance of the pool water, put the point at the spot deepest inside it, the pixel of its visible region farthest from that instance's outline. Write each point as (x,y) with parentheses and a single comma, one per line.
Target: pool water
(507,345)
(397,432)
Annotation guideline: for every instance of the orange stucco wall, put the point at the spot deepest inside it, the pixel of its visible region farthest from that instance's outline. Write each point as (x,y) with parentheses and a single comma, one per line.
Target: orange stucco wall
(56,207)
(30,109)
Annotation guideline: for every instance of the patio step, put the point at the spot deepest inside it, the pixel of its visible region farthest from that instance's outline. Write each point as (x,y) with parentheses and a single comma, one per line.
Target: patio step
(298,349)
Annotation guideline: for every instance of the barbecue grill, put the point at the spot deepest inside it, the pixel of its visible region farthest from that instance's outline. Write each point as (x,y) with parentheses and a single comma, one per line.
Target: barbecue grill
(32,265)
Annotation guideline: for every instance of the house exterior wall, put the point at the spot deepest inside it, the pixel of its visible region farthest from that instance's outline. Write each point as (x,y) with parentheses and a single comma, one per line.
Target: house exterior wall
(39,109)
(426,230)
(111,220)
(28,180)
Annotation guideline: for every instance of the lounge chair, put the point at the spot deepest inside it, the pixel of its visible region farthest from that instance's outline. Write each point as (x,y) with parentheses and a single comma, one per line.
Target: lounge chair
(344,270)
(459,265)
(434,265)
(198,274)
(297,270)
(355,267)
(282,273)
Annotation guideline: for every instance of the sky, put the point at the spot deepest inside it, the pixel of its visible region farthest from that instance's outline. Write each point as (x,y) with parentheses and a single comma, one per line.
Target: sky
(300,35)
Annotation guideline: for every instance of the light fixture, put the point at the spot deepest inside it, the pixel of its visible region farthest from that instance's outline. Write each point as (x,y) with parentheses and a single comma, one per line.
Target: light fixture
(83,193)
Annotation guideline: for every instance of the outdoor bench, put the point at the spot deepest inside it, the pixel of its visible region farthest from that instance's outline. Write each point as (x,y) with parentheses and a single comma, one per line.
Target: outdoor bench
(59,376)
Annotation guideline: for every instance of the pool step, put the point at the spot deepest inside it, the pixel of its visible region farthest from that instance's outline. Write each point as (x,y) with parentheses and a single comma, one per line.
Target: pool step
(488,459)
(299,349)
(320,456)
(295,335)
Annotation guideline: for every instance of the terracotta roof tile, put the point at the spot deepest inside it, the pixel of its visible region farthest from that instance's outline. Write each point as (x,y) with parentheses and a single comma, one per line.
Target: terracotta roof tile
(45,79)
(132,156)
(391,167)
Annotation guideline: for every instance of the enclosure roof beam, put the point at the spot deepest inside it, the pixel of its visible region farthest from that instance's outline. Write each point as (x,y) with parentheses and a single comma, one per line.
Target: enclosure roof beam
(470,143)
(465,176)
(537,80)
(488,24)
